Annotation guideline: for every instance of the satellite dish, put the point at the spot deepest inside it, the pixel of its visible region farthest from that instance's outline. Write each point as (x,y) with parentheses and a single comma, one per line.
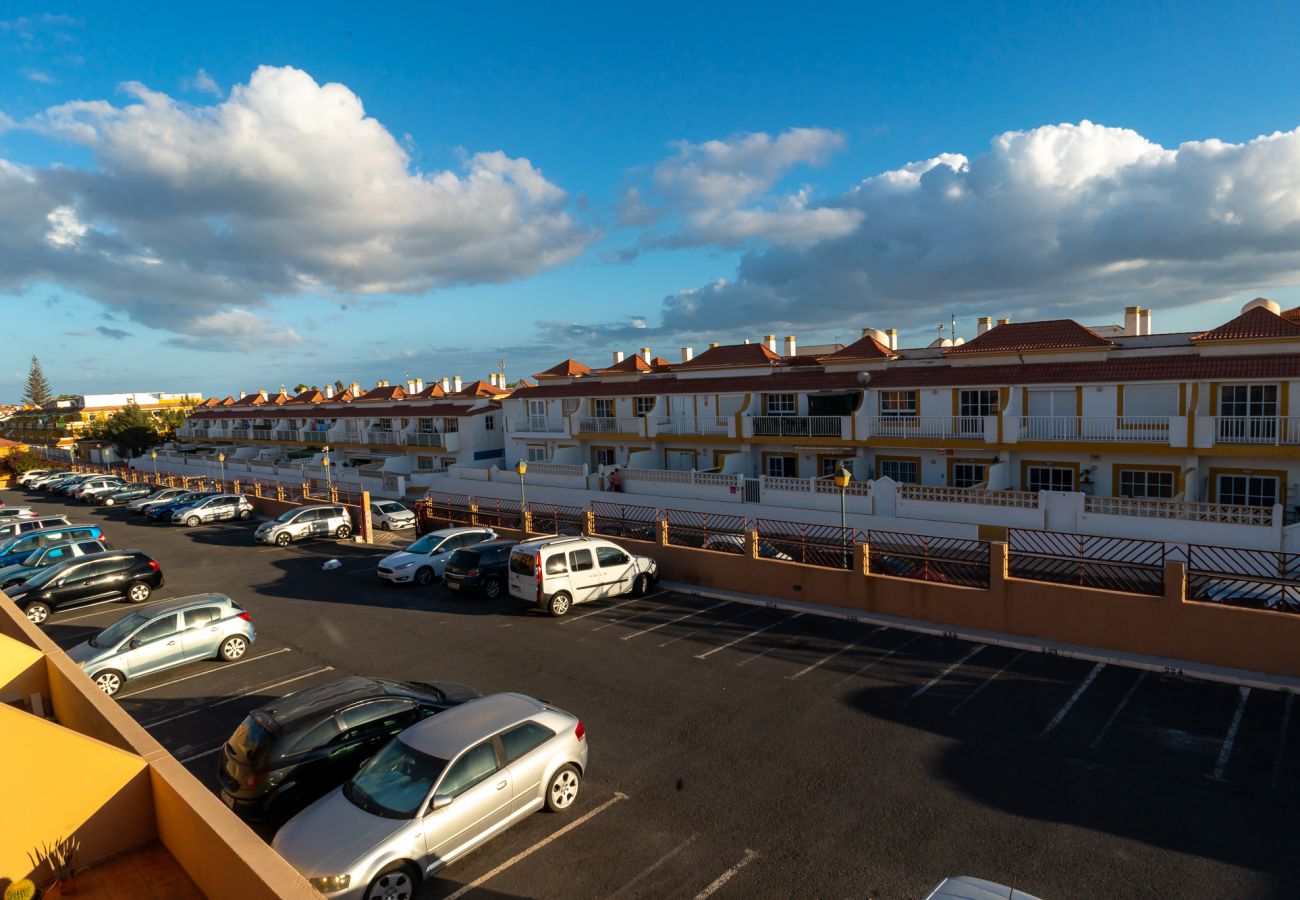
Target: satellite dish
(1262,303)
(864,377)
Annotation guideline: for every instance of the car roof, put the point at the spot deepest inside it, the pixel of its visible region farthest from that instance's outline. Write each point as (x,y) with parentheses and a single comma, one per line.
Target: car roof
(170,606)
(332,695)
(543,543)
(448,733)
(460,529)
(487,546)
(964,887)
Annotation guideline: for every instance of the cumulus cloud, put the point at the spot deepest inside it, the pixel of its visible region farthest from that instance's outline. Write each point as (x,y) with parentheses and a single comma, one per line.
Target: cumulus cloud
(235,329)
(1063,220)
(195,212)
(718,192)
(204,83)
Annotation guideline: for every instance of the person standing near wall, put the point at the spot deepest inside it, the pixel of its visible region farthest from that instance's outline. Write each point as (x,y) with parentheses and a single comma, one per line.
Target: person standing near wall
(616,480)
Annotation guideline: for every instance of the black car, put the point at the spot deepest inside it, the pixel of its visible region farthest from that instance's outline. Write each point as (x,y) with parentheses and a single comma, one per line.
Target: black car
(483,567)
(300,747)
(112,575)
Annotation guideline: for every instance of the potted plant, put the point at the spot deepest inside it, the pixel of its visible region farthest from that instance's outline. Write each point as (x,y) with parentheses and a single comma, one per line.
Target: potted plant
(62,859)
(22,889)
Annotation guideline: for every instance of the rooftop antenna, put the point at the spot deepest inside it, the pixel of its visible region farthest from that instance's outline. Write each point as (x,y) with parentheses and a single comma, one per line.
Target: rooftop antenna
(954,327)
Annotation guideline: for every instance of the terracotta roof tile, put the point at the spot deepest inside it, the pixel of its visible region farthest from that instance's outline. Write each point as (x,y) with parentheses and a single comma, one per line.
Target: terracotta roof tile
(865,347)
(211,401)
(309,396)
(430,390)
(254,399)
(730,356)
(387,392)
(1053,334)
(777,382)
(524,383)
(631,364)
(570,368)
(1253,324)
(1292,314)
(479,388)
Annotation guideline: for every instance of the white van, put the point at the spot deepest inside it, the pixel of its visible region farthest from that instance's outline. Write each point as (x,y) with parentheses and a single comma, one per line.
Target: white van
(557,572)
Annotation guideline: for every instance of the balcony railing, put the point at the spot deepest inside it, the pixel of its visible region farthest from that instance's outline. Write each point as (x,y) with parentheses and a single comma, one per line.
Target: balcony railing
(1225,513)
(926,426)
(799,426)
(611,425)
(263,434)
(286,434)
(424,439)
(693,425)
(538,424)
(983,497)
(377,436)
(1123,429)
(1273,430)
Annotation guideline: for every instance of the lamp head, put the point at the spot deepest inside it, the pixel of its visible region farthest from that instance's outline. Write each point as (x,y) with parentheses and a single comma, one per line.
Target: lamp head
(843,477)
(521,467)
(221,457)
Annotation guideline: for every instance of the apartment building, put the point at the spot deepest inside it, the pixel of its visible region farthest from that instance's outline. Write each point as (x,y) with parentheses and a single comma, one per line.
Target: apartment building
(61,422)
(1113,411)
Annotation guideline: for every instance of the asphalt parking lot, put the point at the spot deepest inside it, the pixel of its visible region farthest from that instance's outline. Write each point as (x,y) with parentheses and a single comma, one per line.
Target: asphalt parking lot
(741,751)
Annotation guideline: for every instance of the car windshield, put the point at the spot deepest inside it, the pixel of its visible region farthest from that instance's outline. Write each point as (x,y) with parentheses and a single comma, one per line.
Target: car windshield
(395,782)
(391,507)
(425,544)
(45,576)
(114,634)
(287,516)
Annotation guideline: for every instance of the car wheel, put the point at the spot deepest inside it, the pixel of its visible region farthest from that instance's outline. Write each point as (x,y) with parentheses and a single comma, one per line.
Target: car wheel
(641,585)
(109,681)
(559,604)
(283,539)
(342,532)
(138,592)
(233,647)
(192,521)
(395,882)
(424,577)
(36,612)
(492,588)
(384,526)
(109,501)
(563,789)
(245,514)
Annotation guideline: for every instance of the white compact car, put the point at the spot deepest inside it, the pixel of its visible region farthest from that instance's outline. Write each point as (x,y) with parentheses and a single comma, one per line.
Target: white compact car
(389,515)
(424,560)
(557,572)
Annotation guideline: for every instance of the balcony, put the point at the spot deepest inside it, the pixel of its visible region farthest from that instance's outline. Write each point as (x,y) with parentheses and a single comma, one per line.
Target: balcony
(263,434)
(383,438)
(797,426)
(286,434)
(1266,430)
(630,425)
(928,427)
(538,425)
(1118,429)
(696,425)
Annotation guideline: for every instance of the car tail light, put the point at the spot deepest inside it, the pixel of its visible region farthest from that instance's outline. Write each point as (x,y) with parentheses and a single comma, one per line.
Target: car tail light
(472,573)
(252,780)
(580,732)
(245,616)
(537,563)
(153,566)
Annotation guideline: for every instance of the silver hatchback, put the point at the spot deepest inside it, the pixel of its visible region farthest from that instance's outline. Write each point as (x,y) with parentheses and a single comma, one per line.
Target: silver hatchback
(217,508)
(305,522)
(435,792)
(203,626)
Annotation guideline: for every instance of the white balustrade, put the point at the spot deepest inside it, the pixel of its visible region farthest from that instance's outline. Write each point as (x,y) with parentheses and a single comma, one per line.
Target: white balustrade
(1225,513)
(538,424)
(1122,429)
(800,426)
(971,427)
(938,494)
(693,425)
(1271,430)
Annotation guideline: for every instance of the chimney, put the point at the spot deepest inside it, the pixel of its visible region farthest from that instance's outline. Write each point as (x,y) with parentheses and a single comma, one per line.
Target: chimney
(243,394)
(1144,322)
(501,380)
(446,385)
(789,345)
(892,334)
(645,354)
(746,341)
(262,394)
(1131,324)
(419,385)
(410,385)
(284,392)
(687,354)
(618,357)
(492,379)
(1004,321)
(770,341)
(329,392)
(455,384)
(985,323)
(355,389)
(715,343)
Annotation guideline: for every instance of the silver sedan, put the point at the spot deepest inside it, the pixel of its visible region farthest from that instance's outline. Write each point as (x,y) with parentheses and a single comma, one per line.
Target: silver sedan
(435,792)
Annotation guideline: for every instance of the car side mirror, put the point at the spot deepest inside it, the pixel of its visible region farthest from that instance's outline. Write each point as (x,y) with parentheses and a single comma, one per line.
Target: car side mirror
(135,644)
(440,801)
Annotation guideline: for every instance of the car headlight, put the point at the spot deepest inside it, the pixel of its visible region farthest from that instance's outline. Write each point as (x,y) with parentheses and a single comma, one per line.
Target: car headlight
(404,565)
(328,884)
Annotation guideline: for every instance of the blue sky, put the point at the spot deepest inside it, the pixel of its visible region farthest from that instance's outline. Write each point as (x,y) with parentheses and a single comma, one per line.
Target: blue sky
(533,184)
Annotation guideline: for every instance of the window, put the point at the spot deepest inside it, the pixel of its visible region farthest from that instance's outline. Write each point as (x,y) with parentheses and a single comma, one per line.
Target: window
(450,425)
(555,565)
(490,422)
(602,408)
(780,404)
(89,547)
(898,404)
(580,561)
(197,618)
(315,737)
(641,406)
(425,426)
(163,626)
(425,463)
(1049,478)
(536,453)
(1143,483)
(903,471)
(376,716)
(384,424)
(610,556)
(977,403)
(469,770)
(602,456)
(568,407)
(523,738)
(536,409)
(1248,400)
(781,466)
(1247,490)
(965,474)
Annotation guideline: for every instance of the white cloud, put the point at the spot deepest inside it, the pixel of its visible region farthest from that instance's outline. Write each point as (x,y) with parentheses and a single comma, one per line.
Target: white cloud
(235,329)
(284,187)
(204,83)
(38,76)
(1063,220)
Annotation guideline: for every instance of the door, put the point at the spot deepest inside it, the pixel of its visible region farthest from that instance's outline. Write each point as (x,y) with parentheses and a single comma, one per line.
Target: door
(616,571)
(1052,414)
(584,577)
(480,800)
(527,768)
(202,634)
(681,409)
(156,646)
(1248,413)
(1247,490)
(679,460)
(83,584)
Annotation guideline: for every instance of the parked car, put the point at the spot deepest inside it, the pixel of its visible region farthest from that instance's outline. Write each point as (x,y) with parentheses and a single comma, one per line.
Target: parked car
(67,487)
(484,568)
(44,477)
(49,484)
(285,755)
(31,475)
(435,792)
(389,515)
(127,493)
(116,575)
(47,556)
(735,543)
(557,572)
(963,887)
(163,511)
(217,508)
(13,527)
(96,486)
(203,626)
(423,561)
(305,522)
(18,512)
(16,549)
(163,495)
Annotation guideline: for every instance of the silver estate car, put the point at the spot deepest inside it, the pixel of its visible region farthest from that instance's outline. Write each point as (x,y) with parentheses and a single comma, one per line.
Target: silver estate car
(435,792)
(202,626)
(305,522)
(217,508)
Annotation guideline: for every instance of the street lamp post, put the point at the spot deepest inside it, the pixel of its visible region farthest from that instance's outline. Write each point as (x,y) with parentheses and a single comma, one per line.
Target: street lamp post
(521,467)
(154,454)
(842,479)
(325,464)
(221,458)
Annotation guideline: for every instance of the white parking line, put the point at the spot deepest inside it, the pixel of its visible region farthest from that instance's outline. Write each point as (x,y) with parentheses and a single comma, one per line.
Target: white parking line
(186,760)
(1069,704)
(986,682)
(610,607)
(1281,741)
(207,706)
(879,659)
(1096,742)
(825,659)
(619,621)
(942,675)
(628,637)
(650,869)
(154,687)
(126,606)
(482,879)
(749,857)
(1229,738)
(706,654)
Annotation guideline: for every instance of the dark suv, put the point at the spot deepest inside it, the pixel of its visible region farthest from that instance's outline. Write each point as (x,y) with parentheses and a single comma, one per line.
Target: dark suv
(300,747)
(112,575)
(483,567)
